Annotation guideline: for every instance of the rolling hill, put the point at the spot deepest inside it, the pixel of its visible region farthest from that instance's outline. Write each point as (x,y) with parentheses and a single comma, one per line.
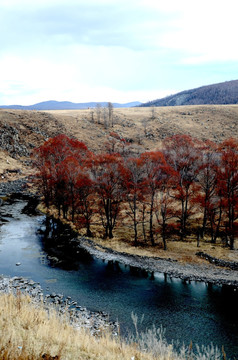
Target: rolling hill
(21,131)
(66,105)
(221,93)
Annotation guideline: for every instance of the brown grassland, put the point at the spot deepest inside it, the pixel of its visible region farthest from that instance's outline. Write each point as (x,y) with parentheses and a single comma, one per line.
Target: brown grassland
(143,128)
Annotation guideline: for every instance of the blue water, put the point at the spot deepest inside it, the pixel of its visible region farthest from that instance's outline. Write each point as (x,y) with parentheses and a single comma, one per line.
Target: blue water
(188,311)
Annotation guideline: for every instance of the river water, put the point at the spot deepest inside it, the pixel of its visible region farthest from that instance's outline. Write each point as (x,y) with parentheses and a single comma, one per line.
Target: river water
(195,312)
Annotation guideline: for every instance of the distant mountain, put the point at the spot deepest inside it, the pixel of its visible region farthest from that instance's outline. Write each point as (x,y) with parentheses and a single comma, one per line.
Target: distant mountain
(222,93)
(66,105)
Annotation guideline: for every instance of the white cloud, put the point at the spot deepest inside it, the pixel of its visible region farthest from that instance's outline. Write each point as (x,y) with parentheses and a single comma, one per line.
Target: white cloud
(204,32)
(33,79)
(134,50)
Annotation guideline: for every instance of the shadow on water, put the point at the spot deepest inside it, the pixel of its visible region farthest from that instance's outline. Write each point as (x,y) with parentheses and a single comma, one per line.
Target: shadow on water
(61,246)
(193,311)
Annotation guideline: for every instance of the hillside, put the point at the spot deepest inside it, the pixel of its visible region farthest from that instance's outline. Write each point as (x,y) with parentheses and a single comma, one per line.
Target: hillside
(222,93)
(21,131)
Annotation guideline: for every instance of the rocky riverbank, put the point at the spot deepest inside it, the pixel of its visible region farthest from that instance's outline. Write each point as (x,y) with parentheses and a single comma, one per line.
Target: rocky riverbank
(14,187)
(79,316)
(208,273)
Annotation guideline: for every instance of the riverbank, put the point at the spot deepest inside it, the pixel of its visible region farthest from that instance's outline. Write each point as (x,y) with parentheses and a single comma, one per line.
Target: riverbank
(208,273)
(29,331)
(184,260)
(79,317)
(14,187)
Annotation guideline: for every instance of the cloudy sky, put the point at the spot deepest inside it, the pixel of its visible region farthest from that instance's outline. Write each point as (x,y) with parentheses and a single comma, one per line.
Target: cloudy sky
(114,50)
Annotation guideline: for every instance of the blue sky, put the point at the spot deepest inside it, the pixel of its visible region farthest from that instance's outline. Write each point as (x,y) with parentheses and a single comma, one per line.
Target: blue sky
(117,50)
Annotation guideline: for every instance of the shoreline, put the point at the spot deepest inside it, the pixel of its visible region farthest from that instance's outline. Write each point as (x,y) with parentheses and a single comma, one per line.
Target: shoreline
(96,322)
(207,273)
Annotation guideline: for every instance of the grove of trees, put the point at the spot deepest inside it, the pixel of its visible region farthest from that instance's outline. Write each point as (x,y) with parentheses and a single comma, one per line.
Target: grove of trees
(188,187)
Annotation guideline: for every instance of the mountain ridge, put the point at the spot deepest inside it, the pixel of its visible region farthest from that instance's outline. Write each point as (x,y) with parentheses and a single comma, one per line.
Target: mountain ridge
(66,105)
(224,93)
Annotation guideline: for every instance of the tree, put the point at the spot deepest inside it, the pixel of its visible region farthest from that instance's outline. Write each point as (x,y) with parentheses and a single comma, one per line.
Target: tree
(153,164)
(85,199)
(215,212)
(98,112)
(183,155)
(106,170)
(110,114)
(92,116)
(153,113)
(105,119)
(207,179)
(164,204)
(70,172)
(50,160)
(228,186)
(133,182)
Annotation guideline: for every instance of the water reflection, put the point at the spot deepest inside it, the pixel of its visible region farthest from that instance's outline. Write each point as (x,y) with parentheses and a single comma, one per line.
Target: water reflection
(61,246)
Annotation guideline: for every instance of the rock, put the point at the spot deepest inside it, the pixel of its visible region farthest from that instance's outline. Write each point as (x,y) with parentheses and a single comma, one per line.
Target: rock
(18,264)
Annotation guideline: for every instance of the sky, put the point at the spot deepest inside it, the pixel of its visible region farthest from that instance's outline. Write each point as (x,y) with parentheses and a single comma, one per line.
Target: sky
(114,50)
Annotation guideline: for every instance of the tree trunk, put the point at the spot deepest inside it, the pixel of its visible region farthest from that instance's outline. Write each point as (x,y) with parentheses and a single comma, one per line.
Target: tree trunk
(151,223)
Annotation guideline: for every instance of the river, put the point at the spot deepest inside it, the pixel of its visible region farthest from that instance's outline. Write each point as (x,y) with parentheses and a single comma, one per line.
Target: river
(196,312)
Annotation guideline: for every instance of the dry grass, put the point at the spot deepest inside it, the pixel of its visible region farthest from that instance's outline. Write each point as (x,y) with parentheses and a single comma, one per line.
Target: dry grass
(214,122)
(29,332)
(184,252)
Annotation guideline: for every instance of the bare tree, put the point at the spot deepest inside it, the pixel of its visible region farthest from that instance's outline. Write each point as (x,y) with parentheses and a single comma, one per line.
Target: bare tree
(153,113)
(105,119)
(92,116)
(98,111)
(144,123)
(110,114)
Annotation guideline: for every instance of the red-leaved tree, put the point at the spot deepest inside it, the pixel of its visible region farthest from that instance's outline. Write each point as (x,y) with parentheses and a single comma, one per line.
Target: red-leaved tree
(106,171)
(183,155)
(228,186)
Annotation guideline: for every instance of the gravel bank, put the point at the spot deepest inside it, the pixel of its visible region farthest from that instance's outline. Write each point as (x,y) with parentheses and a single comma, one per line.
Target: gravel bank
(208,273)
(11,187)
